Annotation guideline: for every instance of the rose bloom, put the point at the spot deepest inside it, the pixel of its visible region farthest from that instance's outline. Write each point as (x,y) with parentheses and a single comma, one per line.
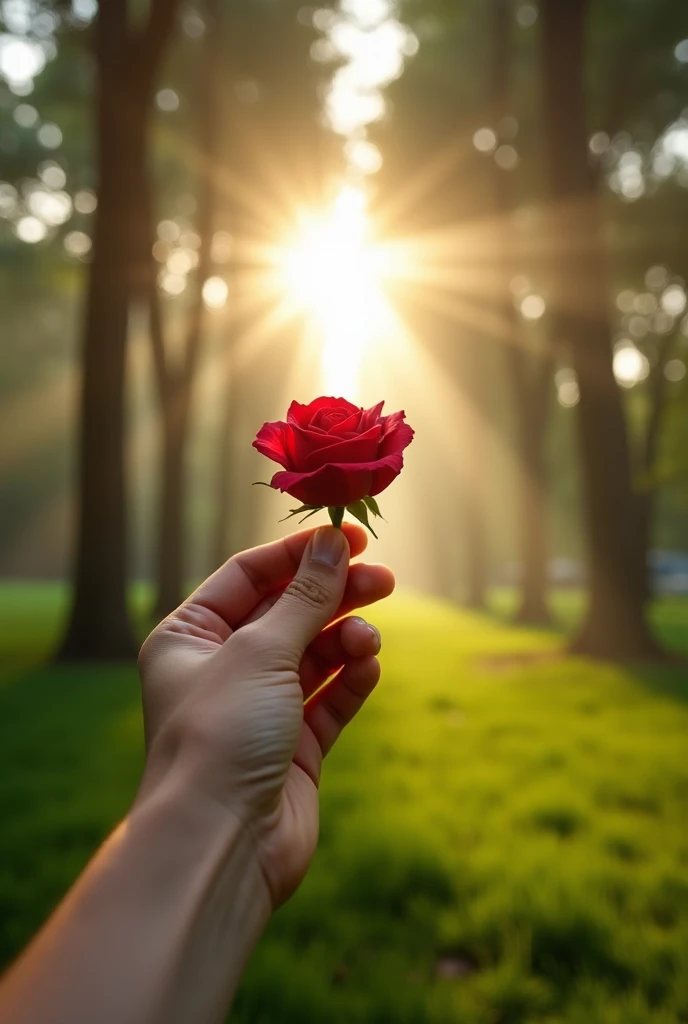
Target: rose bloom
(334,453)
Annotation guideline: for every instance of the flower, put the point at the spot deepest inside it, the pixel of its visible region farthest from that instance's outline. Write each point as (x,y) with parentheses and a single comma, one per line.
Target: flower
(335,454)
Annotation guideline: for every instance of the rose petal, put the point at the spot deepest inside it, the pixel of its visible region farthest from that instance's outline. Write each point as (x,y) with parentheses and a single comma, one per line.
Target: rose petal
(305,441)
(340,484)
(273,440)
(304,414)
(361,448)
(349,427)
(372,416)
(396,435)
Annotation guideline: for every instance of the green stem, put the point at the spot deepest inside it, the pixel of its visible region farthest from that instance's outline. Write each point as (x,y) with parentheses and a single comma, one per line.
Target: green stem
(336,515)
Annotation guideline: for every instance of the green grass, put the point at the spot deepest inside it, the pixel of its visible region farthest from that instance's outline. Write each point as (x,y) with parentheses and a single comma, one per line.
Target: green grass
(503,836)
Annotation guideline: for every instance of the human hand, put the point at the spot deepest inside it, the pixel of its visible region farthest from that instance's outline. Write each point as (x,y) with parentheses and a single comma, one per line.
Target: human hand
(225,678)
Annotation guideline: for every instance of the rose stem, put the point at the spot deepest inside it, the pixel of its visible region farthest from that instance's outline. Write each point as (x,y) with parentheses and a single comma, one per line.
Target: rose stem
(336,515)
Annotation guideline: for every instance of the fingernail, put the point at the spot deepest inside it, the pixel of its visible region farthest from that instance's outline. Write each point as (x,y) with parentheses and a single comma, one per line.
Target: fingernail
(376,633)
(328,545)
(369,626)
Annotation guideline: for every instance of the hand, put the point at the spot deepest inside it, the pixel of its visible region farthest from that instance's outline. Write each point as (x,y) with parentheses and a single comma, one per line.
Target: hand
(233,706)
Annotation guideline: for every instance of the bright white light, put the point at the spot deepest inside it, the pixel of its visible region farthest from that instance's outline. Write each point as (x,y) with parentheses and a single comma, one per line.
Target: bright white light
(484,140)
(674,300)
(52,207)
(85,10)
(181,261)
(630,365)
(376,55)
(333,273)
(629,179)
(25,115)
(167,100)
(77,243)
(681,52)
(215,292)
(49,135)
(568,394)
(173,284)
(368,13)
(533,307)
(675,142)
(52,175)
(85,201)
(30,229)
(364,156)
(675,370)
(20,60)
(373,45)
(349,106)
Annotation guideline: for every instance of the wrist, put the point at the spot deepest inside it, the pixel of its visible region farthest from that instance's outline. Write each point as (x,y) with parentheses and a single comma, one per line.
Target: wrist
(206,857)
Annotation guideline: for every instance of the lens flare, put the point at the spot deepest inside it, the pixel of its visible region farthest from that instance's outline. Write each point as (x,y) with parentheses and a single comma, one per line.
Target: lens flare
(334,273)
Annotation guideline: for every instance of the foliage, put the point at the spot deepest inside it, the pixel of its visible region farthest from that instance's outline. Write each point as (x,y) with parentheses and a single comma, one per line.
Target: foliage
(502,831)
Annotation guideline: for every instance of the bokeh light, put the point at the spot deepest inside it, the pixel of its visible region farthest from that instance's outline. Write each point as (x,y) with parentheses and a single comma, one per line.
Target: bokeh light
(215,291)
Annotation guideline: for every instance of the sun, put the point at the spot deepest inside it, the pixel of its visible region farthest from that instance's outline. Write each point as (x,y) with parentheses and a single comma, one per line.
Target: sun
(334,273)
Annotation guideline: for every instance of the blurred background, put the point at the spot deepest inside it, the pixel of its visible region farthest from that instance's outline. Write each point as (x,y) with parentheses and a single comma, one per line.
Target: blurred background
(477,212)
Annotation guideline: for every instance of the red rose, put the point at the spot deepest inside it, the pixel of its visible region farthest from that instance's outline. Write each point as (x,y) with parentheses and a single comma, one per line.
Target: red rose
(334,453)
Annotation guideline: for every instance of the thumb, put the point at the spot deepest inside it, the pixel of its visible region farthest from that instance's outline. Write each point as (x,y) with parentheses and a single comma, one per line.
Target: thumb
(313,596)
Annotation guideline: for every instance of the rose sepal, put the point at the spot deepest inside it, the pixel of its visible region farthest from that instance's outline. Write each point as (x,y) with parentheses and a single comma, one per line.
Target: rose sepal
(359,510)
(309,509)
(374,507)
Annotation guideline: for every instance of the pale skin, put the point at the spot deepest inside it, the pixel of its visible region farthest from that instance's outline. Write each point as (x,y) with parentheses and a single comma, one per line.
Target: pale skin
(224,826)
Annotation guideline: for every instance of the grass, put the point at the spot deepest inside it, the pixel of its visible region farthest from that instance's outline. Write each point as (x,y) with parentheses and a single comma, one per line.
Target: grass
(503,833)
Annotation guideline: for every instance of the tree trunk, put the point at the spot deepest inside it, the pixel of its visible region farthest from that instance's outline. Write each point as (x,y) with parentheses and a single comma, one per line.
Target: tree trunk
(176,386)
(646,497)
(530,390)
(533,531)
(126,61)
(171,561)
(476,475)
(615,624)
(99,626)
(223,542)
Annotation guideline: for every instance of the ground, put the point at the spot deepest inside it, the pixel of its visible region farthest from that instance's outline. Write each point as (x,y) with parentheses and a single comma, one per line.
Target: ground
(504,834)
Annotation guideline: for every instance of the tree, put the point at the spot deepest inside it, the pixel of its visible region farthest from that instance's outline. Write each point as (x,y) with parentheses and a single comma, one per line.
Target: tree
(615,624)
(126,61)
(529,374)
(175,377)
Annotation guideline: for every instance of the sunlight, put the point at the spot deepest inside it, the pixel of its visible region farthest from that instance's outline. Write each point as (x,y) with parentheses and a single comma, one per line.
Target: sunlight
(334,273)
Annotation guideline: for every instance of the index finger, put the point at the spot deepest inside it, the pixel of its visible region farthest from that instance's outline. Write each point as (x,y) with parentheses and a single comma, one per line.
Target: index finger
(236,588)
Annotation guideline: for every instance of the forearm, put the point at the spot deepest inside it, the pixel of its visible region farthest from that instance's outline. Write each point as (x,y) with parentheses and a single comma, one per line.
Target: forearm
(158,929)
